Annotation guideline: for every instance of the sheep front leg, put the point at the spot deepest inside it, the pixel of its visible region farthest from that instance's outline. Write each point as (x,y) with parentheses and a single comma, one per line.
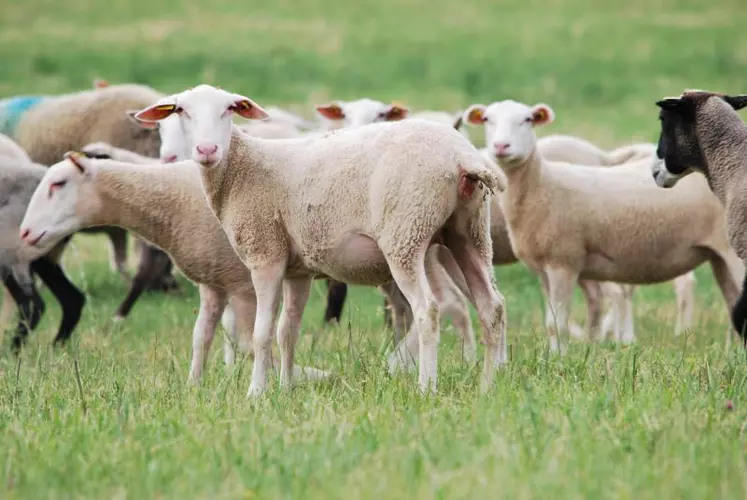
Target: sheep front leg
(212,304)
(295,296)
(560,294)
(267,281)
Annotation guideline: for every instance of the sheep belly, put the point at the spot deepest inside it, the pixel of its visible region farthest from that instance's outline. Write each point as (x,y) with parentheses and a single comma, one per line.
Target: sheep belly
(630,269)
(354,258)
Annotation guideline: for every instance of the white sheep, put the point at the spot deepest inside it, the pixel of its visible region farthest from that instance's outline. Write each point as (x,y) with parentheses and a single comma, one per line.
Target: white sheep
(619,320)
(92,192)
(608,224)
(365,205)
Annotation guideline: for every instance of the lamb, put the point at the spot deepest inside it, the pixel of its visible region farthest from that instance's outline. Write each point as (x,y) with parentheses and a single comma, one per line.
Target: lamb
(47,127)
(702,132)
(18,264)
(612,225)
(81,192)
(364,205)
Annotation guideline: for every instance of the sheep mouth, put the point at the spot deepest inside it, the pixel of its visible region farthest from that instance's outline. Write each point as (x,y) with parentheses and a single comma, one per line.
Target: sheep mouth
(35,241)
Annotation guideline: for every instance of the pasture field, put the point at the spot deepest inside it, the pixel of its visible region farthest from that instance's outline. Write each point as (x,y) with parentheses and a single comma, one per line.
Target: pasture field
(111,416)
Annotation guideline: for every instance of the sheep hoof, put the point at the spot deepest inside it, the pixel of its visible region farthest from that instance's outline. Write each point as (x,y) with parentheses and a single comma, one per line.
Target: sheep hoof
(117,318)
(577,332)
(401,361)
(254,391)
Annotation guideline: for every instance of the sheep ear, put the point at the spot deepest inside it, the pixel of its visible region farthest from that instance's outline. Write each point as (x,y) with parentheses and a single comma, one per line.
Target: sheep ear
(542,114)
(475,115)
(99,83)
(736,101)
(155,112)
(331,111)
(246,108)
(671,103)
(78,159)
(141,123)
(397,112)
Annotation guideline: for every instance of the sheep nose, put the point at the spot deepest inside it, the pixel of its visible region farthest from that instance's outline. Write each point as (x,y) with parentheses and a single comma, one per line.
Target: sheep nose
(501,148)
(25,234)
(207,149)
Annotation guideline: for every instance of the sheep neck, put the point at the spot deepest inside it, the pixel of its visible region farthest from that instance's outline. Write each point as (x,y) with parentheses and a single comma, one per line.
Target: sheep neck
(131,197)
(722,144)
(240,168)
(523,180)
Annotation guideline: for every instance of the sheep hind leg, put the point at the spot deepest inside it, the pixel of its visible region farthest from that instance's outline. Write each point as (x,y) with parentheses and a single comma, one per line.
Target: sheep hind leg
(454,303)
(490,304)
(212,305)
(8,308)
(684,289)
(295,295)
(118,252)
(267,281)
(337,292)
(412,280)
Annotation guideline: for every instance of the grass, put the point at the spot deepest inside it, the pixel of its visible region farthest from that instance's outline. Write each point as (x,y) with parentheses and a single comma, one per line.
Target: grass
(111,416)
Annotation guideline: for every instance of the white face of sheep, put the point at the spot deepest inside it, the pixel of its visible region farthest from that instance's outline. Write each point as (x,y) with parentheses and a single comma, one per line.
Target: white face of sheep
(362,112)
(509,128)
(205,118)
(53,211)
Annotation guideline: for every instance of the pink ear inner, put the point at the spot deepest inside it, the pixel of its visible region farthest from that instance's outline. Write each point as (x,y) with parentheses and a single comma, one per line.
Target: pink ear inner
(249,110)
(397,113)
(331,112)
(155,113)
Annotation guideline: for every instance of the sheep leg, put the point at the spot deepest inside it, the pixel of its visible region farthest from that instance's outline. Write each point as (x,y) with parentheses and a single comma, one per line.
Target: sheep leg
(728,270)
(400,311)
(684,289)
(412,280)
(592,291)
(8,307)
(337,291)
(267,281)
(295,296)
(212,305)
(152,264)
(230,343)
(560,294)
(118,251)
(627,329)
(30,305)
(454,305)
(490,304)
(71,299)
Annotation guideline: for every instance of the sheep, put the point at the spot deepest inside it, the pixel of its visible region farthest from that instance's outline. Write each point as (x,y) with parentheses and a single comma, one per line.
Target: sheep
(612,226)
(570,149)
(48,126)
(578,151)
(18,263)
(9,149)
(92,192)
(702,132)
(452,302)
(364,205)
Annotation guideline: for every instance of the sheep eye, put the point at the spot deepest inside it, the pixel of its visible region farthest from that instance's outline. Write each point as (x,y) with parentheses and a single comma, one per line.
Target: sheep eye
(56,185)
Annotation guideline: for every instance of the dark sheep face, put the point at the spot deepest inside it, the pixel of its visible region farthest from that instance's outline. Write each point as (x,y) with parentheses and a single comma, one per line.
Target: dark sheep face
(678,144)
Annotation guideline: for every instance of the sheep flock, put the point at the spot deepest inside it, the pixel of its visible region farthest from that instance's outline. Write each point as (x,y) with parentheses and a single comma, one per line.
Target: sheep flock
(252,203)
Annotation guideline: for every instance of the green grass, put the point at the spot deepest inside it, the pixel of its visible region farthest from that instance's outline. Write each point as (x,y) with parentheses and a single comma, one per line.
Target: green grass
(648,421)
